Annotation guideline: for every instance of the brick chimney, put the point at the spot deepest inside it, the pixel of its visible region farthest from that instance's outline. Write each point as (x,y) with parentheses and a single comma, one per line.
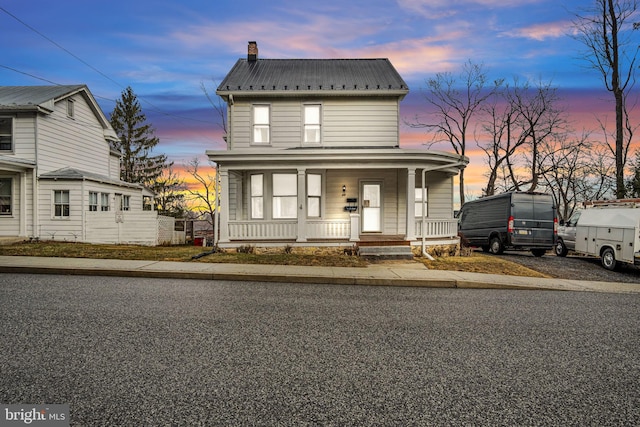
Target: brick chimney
(252,54)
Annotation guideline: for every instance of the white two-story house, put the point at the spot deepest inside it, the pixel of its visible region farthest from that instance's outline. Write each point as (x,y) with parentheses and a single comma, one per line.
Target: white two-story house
(313,157)
(59,176)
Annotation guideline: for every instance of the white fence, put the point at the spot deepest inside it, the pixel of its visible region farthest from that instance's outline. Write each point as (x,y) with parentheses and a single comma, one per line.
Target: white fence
(140,228)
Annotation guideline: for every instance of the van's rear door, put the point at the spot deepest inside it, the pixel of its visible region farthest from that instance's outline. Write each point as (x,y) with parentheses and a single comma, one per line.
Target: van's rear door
(533,218)
(544,215)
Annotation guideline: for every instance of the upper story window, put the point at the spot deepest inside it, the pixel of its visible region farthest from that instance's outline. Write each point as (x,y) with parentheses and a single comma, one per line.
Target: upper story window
(261,124)
(6,195)
(70,109)
(312,124)
(93,201)
(6,134)
(61,206)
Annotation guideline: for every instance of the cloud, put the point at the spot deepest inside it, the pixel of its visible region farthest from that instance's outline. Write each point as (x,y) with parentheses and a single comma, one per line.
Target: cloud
(440,9)
(542,32)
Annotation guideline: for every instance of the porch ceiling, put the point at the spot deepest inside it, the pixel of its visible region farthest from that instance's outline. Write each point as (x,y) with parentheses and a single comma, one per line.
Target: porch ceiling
(338,158)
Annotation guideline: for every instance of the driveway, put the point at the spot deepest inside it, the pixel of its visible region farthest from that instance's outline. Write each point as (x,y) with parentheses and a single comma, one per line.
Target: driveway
(574,267)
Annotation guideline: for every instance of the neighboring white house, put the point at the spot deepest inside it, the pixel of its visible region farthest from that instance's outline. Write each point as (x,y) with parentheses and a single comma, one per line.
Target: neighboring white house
(313,158)
(59,176)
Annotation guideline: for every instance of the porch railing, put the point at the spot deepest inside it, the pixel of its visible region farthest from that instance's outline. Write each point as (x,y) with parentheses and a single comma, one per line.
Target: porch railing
(338,229)
(268,230)
(335,229)
(437,227)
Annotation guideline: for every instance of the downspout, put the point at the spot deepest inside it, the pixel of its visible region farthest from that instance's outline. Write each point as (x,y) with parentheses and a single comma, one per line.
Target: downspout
(424,202)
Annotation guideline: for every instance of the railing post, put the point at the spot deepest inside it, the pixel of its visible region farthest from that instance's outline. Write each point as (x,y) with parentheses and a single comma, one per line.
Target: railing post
(355,227)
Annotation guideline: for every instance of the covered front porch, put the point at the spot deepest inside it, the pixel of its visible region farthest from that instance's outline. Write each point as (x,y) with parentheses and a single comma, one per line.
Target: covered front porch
(336,197)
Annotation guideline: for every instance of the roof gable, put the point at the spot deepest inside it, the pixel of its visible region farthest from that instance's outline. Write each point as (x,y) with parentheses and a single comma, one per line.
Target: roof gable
(321,76)
(42,99)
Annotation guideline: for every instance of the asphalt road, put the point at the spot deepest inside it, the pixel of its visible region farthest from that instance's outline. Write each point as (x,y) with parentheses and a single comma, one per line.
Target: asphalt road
(124,351)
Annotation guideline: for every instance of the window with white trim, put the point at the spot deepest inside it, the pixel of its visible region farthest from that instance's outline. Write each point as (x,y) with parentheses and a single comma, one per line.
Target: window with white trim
(6,196)
(261,124)
(257,196)
(71,113)
(126,203)
(418,201)
(93,201)
(6,134)
(312,124)
(104,202)
(61,206)
(285,195)
(314,195)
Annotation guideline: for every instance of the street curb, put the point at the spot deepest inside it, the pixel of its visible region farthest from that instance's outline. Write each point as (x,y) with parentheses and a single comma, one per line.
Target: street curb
(274,278)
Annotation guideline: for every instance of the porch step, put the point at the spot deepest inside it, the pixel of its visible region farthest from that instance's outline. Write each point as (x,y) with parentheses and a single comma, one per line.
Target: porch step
(385,252)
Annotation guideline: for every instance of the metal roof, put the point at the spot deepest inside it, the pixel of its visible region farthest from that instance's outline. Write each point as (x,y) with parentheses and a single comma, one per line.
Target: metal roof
(323,76)
(33,97)
(71,174)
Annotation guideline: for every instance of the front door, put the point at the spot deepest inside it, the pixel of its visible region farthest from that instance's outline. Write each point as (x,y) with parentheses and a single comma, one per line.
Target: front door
(371,207)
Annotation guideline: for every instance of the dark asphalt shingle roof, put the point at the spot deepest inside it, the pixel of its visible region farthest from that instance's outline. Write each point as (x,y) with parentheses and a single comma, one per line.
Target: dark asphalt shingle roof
(323,75)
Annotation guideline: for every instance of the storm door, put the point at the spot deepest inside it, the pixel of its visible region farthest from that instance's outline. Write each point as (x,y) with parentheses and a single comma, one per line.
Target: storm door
(371,207)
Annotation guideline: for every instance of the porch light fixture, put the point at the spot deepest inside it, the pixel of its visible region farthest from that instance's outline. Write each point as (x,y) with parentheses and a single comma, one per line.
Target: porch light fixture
(344,190)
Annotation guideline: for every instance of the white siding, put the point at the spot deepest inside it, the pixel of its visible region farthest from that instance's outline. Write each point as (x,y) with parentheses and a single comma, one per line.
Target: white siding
(72,142)
(440,194)
(24,136)
(66,229)
(346,122)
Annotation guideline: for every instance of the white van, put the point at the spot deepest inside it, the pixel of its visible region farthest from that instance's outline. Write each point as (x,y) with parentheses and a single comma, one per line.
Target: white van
(609,230)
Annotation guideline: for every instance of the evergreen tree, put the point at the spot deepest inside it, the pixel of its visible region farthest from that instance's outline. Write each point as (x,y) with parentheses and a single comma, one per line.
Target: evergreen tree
(136,143)
(138,165)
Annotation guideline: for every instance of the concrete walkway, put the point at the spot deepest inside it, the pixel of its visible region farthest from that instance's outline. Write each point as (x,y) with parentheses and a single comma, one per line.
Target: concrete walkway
(385,274)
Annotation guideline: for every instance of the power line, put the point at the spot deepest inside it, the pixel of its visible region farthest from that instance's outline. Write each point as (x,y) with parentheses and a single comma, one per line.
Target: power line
(157,109)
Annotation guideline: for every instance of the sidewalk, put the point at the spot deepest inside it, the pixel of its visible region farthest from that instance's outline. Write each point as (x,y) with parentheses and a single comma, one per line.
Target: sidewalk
(393,274)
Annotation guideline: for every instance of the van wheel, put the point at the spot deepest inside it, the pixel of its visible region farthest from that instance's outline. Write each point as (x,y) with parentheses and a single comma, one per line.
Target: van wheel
(495,246)
(608,259)
(561,248)
(538,252)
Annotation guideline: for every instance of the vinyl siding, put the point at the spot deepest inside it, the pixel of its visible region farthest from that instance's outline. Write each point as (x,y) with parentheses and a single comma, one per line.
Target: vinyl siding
(24,146)
(72,142)
(346,122)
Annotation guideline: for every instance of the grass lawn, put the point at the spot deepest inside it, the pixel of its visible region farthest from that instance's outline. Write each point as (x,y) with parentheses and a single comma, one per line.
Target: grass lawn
(477,262)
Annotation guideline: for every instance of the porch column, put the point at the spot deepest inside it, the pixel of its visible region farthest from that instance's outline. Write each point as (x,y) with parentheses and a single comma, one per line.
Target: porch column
(302,206)
(23,204)
(411,198)
(224,205)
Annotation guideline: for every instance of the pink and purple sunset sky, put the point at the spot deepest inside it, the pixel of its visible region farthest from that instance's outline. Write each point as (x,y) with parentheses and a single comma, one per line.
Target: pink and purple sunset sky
(165,50)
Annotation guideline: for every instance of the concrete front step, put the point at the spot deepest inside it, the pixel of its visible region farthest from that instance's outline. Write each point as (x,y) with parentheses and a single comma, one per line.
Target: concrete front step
(385,252)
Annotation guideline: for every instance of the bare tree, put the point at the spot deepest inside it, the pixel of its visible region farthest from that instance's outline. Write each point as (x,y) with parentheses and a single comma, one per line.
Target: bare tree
(605,30)
(567,171)
(455,99)
(203,197)
(537,120)
(169,193)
